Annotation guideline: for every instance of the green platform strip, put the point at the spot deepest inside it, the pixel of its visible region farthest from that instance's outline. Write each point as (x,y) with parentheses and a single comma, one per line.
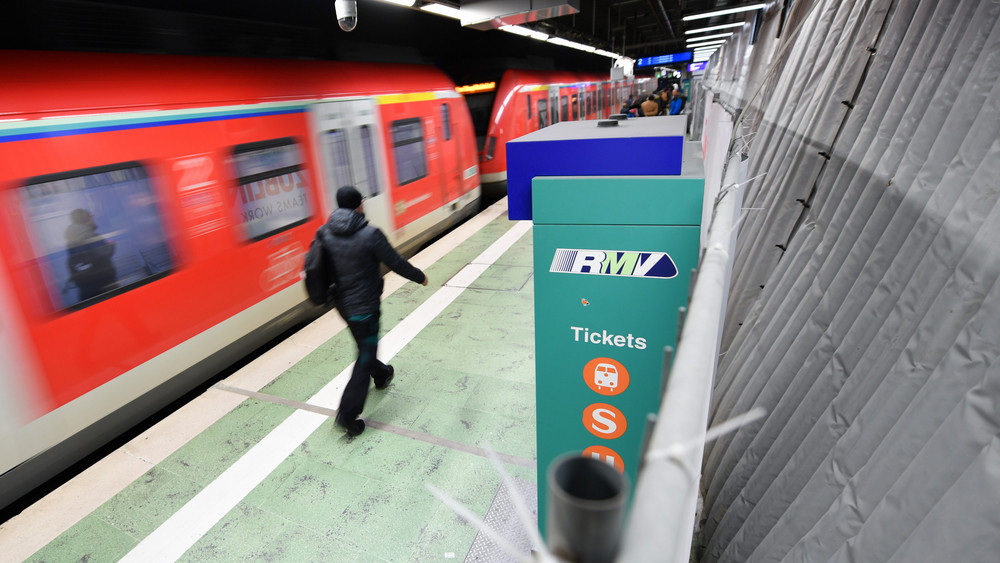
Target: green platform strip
(363,500)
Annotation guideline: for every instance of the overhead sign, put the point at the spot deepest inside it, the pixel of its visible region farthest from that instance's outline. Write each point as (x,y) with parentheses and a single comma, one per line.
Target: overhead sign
(697,67)
(665,59)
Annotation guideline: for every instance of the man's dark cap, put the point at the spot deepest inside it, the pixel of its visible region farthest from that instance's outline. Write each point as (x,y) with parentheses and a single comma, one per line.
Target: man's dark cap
(348,197)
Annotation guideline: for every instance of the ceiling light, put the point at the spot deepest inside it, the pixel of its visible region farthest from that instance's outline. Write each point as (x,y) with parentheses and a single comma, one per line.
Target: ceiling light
(707,37)
(523,31)
(724,12)
(407,3)
(443,10)
(706,43)
(571,44)
(715,27)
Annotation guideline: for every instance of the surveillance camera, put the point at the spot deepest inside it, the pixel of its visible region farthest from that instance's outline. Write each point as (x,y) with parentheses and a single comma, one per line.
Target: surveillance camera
(347,14)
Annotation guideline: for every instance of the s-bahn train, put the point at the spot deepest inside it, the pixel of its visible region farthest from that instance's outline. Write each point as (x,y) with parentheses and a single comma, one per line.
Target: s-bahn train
(529,100)
(156,211)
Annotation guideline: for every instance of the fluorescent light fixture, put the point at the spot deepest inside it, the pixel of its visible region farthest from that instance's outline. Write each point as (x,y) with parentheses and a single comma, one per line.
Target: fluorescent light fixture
(706,43)
(707,51)
(443,10)
(724,12)
(407,3)
(525,32)
(608,54)
(707,37)
(715,27)
(571,44)
(702,57)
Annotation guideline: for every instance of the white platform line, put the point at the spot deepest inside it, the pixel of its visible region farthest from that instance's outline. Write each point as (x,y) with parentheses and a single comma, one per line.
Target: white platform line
(207,508)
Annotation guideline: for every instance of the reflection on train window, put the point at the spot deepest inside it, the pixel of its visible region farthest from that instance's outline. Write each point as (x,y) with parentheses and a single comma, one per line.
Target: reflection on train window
(446,120)
(408,148)
(575,104)
(335,143)
(95,233)
(543,113)
(590,102)
(565,108)
(368,185)
(271,194)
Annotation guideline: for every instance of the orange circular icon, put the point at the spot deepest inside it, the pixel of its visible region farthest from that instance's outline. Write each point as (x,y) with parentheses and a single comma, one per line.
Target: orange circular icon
(604,421)
(607,455)
(606,376)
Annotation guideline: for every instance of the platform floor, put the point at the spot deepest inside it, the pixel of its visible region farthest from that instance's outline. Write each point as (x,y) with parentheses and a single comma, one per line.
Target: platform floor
(255,469)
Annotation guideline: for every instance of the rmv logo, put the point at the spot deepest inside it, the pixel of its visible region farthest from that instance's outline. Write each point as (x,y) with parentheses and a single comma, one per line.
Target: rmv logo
(614,263)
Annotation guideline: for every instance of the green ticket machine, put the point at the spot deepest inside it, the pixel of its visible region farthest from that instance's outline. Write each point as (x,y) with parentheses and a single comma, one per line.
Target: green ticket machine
(613,257)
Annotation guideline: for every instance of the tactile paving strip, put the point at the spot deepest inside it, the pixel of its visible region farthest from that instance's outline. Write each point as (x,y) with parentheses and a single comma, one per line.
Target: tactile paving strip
(502,518)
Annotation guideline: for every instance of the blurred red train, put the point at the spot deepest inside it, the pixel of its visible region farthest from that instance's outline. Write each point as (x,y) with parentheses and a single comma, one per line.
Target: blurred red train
(155,214)
(529,100)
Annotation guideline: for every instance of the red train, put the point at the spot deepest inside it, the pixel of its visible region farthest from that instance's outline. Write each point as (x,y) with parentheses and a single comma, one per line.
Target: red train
(156,210)
(528,100)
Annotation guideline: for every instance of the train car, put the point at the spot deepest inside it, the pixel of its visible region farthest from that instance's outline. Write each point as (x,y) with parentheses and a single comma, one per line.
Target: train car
(156,211)
(528,100)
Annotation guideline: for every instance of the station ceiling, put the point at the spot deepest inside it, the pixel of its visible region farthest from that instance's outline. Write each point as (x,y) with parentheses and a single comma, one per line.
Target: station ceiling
(308,29)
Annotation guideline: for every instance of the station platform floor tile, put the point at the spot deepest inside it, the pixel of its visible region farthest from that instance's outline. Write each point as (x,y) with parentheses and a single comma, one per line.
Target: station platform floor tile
(464,383)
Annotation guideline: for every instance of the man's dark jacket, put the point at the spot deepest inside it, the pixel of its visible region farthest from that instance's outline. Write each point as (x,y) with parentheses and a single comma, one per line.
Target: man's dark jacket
(358,249)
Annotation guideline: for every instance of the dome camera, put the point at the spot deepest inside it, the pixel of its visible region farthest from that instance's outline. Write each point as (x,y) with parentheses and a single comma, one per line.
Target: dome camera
(347,14)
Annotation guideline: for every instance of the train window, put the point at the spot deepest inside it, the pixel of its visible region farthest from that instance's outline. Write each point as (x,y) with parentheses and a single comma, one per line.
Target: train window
(575,104)
(271,195)
(543,113)
(408,147)
(446,120)
(96,233)
(590,102)
(528,101)
(368,185)
(340,160)
(565,108)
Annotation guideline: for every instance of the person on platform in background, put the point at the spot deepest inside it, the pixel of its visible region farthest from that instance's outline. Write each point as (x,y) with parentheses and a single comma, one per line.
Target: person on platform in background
(627,105)
(650,107)
(635,108)
(664,100)
(677,100)
(358,250)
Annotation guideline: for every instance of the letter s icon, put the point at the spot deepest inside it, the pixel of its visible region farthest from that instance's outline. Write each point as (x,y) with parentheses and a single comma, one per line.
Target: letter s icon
(604,421)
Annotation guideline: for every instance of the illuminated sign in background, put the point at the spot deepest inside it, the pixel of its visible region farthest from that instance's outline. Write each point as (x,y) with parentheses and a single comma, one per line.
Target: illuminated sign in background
(697,67)
(665,59)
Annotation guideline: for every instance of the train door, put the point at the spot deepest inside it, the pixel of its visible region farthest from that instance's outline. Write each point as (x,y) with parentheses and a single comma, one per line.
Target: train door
(348,141)
(450,152)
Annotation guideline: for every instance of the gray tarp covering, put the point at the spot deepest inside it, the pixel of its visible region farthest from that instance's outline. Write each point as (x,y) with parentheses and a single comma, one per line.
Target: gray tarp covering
(864,312)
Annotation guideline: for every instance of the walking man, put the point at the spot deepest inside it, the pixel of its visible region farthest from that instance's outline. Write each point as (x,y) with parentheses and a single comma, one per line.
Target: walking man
(358,249)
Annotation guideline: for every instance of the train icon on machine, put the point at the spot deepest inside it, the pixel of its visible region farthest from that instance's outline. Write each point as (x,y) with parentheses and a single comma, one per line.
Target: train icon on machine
(606,376)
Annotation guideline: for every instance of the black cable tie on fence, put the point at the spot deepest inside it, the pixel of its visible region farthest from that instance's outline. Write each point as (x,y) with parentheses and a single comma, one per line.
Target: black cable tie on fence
(824,154)
(872,50)
(782,247)
(803,202)
(848,104)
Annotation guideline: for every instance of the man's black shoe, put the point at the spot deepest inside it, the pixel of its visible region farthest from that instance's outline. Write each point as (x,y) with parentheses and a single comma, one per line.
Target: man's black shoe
(353,428)
(388,379)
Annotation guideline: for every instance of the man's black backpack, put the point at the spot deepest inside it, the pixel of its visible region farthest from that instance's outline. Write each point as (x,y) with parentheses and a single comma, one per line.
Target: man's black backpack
(320,273)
